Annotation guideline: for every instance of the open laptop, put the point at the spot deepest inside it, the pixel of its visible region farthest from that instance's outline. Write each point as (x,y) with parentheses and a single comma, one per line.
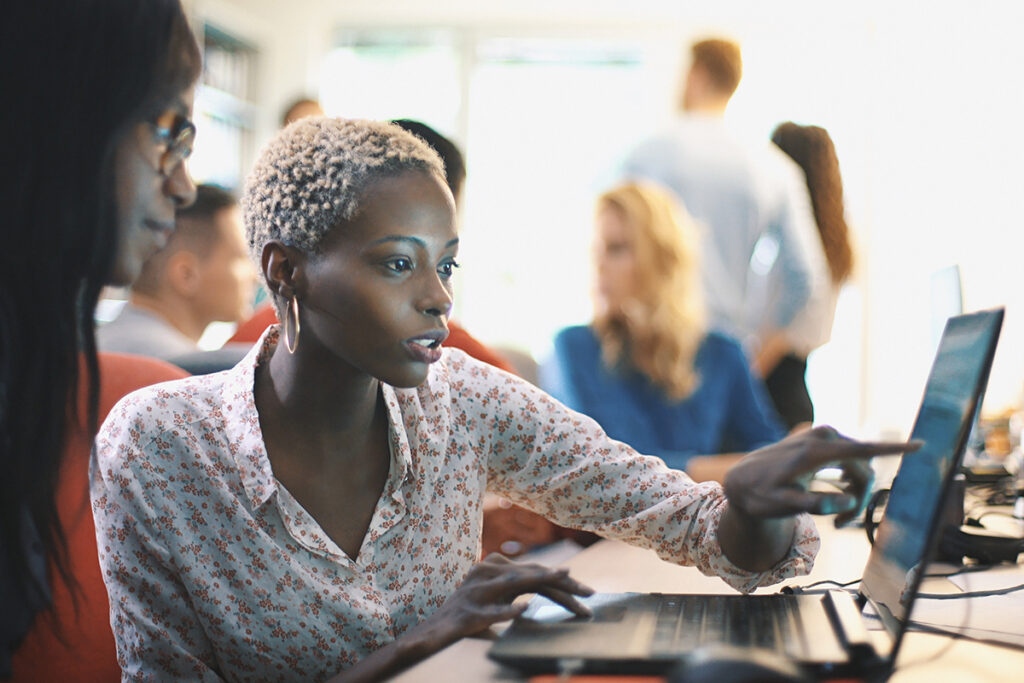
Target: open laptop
(826,634)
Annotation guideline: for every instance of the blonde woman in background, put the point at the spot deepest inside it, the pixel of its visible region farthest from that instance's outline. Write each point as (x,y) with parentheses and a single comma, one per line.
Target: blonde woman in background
(646,368)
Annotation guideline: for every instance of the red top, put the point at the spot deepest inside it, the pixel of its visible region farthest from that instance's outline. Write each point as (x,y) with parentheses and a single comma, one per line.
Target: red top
(458,338)
(65,643)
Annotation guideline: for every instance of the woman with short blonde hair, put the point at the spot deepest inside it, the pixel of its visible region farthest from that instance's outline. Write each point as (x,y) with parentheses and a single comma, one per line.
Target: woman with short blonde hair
(314,513)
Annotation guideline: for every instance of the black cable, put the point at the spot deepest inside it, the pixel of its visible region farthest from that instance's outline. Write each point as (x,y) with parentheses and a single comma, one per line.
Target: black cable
(959,635)
(967,569)
(927,628)
(955,635)
(946,647)
(971,594)
(792,590)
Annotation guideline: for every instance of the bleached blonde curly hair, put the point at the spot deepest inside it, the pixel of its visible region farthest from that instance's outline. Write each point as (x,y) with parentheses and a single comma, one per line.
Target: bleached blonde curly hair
(315,174)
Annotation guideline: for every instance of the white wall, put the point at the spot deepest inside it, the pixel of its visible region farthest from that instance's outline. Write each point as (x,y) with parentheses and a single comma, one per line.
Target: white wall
(924,103)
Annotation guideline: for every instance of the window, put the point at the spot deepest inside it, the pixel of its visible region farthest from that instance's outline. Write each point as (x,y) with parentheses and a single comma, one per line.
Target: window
(542,123)
(225,111)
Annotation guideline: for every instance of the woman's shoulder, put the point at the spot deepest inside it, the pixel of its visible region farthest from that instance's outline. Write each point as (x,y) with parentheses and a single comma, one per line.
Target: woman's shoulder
(459,376)
(576,337)
(174,402)
(457,366)
(721,342)
(721,348)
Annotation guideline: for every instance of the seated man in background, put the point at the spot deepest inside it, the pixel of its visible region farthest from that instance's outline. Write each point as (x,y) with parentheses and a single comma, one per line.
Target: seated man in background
(202,275)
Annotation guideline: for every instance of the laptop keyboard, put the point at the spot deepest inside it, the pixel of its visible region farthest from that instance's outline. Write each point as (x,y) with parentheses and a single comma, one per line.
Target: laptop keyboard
(768,621)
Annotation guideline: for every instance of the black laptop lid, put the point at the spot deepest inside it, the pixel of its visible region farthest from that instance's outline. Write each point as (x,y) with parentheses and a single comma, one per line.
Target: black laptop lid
(909,531)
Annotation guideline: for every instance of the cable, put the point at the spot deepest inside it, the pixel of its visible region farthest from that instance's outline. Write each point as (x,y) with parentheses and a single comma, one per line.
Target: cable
(959,635)
(793,590)
(927,628)
(967,569)
(902,665)
(946,647)
(971,594)
(955,635)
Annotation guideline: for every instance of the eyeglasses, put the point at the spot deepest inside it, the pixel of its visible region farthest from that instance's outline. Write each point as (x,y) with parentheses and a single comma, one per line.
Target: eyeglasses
(178,134)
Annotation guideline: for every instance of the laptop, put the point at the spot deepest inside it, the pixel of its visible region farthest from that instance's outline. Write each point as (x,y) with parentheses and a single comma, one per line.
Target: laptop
(827,635)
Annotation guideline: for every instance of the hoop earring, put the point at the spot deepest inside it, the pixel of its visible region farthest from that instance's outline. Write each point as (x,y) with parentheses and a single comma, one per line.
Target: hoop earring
(291,311)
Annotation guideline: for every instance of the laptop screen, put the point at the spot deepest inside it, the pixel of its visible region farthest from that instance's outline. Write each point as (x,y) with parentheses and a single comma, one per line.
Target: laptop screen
(907,536)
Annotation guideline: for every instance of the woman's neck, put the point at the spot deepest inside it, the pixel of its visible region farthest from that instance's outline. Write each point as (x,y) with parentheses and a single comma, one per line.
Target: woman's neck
(316,396)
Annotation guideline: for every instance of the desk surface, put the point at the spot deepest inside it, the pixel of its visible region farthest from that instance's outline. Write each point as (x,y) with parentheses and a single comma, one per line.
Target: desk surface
(610,566)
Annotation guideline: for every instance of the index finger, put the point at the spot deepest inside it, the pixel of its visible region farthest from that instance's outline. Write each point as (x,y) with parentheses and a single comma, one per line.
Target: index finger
(845,449)
(530,578)
(568,600)
(867,449)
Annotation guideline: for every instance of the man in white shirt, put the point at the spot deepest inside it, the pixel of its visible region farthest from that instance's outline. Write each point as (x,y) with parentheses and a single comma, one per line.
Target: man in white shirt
(202,275)
(751,201)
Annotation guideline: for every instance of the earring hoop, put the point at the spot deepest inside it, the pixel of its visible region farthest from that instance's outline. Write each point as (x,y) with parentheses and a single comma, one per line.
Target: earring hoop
(291,311)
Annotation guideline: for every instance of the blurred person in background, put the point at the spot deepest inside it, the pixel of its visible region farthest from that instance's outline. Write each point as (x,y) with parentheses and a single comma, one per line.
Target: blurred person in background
(782,358)
(203,275)
(751,202)
(99,97)
(646,368)
(300,109)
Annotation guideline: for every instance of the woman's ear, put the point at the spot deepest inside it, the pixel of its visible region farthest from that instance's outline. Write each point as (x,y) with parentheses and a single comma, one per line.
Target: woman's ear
(282,267)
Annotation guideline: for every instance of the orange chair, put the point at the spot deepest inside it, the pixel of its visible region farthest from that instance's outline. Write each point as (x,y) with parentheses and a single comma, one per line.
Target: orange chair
(73,642)
(250,331)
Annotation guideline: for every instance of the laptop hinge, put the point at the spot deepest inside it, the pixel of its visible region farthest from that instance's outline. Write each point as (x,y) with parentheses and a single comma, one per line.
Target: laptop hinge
(849,624)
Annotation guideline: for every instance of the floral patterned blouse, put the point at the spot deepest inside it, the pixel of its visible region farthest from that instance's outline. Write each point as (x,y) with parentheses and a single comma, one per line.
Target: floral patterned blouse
(215,572)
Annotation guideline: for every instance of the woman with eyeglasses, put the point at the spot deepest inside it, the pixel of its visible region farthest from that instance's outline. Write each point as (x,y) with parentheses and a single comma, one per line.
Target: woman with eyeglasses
(98,96)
